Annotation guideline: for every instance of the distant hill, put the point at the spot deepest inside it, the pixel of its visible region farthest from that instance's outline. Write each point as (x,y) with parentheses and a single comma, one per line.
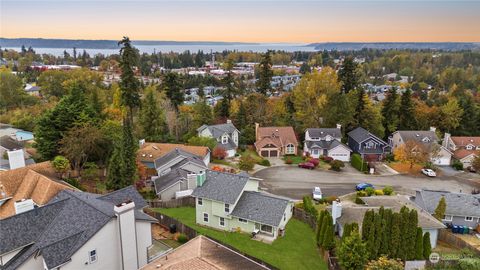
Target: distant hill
(97,44)
(355,46)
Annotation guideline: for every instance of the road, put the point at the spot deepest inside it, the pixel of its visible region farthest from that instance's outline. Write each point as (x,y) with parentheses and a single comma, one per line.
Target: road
(294,182)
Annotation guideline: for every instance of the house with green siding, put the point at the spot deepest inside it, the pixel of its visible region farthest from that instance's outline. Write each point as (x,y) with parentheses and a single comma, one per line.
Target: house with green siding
(232,202)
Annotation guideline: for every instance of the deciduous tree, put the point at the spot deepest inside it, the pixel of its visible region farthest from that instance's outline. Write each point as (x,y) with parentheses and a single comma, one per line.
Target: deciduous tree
(412,152)
(440,209)
(352,253)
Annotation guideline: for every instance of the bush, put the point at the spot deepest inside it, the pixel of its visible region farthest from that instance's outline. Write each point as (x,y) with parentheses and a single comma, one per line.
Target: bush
(330,199)
(457,165)
(327,159)
(358,163)
(246,163)
(336,165)
(370,191)
(362,193)
(388,190)
(288,161)
(390,157)
(182,238)
(469,263)
(308,206)
(430,165)
(384,263)
(90,171)
(378,192)
(358,200)
(264,162)
(219,153)
(74,182)
(314,161)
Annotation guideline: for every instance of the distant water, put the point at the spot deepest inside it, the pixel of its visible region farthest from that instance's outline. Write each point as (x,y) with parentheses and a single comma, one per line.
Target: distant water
(181,48)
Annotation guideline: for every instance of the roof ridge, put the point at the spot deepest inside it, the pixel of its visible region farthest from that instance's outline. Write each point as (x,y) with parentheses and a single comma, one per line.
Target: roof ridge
(265,195)
(86,201)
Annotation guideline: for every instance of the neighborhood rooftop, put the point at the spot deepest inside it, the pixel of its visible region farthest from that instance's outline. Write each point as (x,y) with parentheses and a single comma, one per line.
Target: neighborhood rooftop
(360,134)
(150,151)
(219,130)
(222,187)
(177,152)
(458,204)
(322,132)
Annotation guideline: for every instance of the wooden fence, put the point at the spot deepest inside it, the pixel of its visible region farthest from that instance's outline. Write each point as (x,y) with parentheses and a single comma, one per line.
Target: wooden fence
(452,239)
(185,201)
(305,217)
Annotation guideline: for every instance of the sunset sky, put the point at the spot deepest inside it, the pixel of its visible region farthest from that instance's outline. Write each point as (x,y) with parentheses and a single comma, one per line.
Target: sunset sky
(247,21)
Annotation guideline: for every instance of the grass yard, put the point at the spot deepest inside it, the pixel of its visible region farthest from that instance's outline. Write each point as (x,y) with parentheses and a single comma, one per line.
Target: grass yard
(252,154)
(297,250)
(294,159)
(223,162)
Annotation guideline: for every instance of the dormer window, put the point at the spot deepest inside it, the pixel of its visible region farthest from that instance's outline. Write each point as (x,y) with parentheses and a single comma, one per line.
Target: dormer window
(470,147)
(426,139)
(224,139)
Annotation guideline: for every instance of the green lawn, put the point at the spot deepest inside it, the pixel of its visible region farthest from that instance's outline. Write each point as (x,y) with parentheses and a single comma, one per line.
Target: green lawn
(251,153)
(297,250)
(294,159)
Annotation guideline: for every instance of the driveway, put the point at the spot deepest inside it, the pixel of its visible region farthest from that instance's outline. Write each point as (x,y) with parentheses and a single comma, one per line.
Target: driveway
(295,182)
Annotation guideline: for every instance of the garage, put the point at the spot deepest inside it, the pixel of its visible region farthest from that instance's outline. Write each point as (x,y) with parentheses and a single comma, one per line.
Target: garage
(264,153)
(273,153)
(269,153)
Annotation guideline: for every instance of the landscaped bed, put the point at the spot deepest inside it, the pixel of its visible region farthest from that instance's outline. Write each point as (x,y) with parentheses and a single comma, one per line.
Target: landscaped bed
(297,250)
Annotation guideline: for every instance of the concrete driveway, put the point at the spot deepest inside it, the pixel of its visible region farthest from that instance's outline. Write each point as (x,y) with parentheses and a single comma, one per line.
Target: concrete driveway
(295,182)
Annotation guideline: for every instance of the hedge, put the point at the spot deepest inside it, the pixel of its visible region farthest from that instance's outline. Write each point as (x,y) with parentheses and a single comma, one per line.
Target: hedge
(357,162)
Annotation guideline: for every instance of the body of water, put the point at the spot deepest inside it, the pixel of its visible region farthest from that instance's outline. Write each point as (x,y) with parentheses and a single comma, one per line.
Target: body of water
(181,48)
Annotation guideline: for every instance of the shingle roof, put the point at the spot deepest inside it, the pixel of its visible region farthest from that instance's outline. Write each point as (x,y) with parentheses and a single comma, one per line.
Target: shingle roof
(325,144)
(462,153)
(461,141)
(458,204)
(157,150)
(10,144)
(260,207)
(177,152)
(220,129)
(169,179)
(279,136)
(61,227)
(419,136)
(222,187)
(322,132)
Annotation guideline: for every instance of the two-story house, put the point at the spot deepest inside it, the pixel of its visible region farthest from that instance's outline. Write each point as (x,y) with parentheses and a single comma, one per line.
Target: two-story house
(465,149)
(326,142)
(462,209)
(227,136)
(369,146)
(232,202)
(149,152)
(427,139)
(79,230)
(275,141)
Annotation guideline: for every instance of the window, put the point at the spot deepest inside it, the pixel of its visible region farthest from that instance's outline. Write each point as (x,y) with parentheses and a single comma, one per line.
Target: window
(243,220)
(266,228)
(205,217)
(447,218)
(227,208)
(92,256)
(370,145)
(290,149)
(199,201)
(224,139)
(284,217)
(469,147)
(222,222)
(468,218)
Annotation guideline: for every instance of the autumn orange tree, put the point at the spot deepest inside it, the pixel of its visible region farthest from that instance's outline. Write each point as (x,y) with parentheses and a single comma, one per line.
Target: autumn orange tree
(411,152)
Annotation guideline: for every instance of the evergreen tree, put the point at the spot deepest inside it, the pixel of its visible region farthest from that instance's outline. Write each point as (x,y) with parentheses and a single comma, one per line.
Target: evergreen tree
(329,233)
(222,109)
(228,82)
(265,74)
(440,209)
(129,84)
(412,233)
(407,120)
(202,114)
(130,152)
(373,239)
(403,249)
(241,117)
(152,118)
(116,168)
(427,246)
(391,111)
(348,75)
(352,253)
(386,232)
(369,117)
(323,229)
(347,230)
(395,237)
(319,225)
(419,244)
(367,224)
(172,87)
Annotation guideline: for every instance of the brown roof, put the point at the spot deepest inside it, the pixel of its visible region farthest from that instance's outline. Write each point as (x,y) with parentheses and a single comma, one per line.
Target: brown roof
(461,141)
(149,152)
(461,153)
(205,254)
(36,182)
(278,136)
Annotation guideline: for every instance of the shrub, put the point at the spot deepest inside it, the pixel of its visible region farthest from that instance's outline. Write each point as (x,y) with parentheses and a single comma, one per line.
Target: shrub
(74,182)
(246,163)
(328,159)
(90,170)
(457,165)
(469,263)
(182,238)
(370,191)
(60,164)
(314,161)
(390,157)
(288,161)
(384,263)
(430,165)
(378,192)
(358,200)
(388,190)
(336,165)
(358,163)
(308,206)
(330,199)
(219,152)
(362,193)
(264,162)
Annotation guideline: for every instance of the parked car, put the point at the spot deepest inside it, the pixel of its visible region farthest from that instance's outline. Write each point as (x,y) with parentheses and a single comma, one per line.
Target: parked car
(429,172)
(306,165)
(317,193)
(363,186)
(471,169)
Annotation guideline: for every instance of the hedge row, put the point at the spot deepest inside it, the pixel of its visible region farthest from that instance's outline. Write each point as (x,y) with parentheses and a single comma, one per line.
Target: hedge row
(357,161)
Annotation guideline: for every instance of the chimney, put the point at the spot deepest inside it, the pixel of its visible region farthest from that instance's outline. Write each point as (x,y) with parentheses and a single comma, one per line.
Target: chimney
(339,126)
(23,205)
(127,234)
(141,142)
(257,125)
(191,180)
(433,129)
(201,177)
(16,159)
(229,121)
(336,211)
(446,138)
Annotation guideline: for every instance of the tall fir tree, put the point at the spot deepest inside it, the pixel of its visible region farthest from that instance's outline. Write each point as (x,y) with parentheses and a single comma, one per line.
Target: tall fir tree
(419,244)
(412,233)
(407,119)
(129,84)
(130,152)
(367,224)
(173,88)
(265,74)
(152,118)
(427,246)
(391,111)
(329,233)
(348,75)
(440,209)
(319,225)
(395,236)
(352,253)
(116,168)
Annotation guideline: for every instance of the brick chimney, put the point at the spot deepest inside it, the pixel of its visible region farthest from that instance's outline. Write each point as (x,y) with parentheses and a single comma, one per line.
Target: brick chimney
(127,234)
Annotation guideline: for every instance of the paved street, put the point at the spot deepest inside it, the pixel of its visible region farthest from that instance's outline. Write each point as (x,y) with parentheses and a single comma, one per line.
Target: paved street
(294,182)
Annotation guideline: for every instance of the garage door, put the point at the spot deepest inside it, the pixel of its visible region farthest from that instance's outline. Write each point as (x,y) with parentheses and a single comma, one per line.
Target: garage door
(264,153)
(273,153)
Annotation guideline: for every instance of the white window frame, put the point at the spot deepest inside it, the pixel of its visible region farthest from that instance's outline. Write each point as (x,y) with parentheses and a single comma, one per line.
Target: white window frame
(220,221)
(261,228)
(469,147)
(468,218)
(235,137)
(243,220)
(92,258)
(200,201)
(227,208)
(290,148)
(224,139)
(205,215)
(450,218)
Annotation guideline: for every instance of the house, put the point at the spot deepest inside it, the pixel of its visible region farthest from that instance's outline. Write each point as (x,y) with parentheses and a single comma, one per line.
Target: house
(428,139)
(32,90)
(149,152)
(326,142)
(79,230)
(232,202)
(203,253)
(176,172)
(25,188)
(465,149)
(354,213)
(369,146)
(227,136)
(275,141)
(462,209)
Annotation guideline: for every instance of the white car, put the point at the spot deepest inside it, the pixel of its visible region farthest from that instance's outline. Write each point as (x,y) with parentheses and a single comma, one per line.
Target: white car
(317,193)
(429,172)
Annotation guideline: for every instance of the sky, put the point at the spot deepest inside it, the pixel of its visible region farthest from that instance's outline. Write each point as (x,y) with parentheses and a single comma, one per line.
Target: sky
(244,21)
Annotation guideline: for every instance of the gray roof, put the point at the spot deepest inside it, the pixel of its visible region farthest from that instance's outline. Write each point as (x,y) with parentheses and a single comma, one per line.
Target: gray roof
(220,129)
(10,144)
(360,134)
(169,179)
(177,152)
(228,146)
(322,132)
(458,204)
(418,136)
(260,207)
(325,144)
(61,227)
(222,187)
